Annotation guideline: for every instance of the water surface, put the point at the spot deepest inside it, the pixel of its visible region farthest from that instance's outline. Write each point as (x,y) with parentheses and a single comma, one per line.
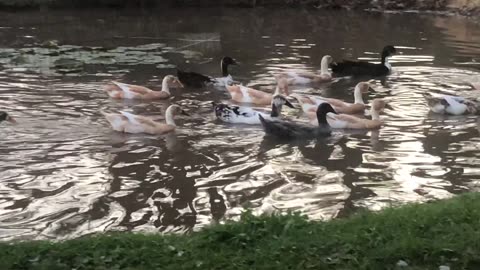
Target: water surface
(65,173)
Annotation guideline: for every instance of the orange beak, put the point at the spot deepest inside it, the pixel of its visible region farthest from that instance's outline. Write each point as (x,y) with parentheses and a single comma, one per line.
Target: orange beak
(180,84)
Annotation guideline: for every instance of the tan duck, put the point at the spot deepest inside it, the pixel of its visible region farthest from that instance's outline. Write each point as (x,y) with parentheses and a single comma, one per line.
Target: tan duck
(306,77)
(310,103)
(346,121)
(130,123)
(119,90)
(243,94)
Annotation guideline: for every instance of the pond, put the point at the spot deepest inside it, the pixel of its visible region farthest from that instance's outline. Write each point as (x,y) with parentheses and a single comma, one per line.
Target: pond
(64,172)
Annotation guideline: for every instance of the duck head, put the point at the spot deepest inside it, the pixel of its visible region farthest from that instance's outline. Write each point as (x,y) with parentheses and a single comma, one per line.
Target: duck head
(6,117)
(282,85)
(173,81)
(326,61)
(388,50)
(227,60)
(176,110)
(322,111)
(277,103)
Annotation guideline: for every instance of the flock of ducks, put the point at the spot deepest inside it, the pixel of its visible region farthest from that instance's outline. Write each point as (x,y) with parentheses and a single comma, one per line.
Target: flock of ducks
(323,114)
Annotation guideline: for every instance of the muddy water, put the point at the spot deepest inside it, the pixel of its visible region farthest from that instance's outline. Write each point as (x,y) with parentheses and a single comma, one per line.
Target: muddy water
(65,173)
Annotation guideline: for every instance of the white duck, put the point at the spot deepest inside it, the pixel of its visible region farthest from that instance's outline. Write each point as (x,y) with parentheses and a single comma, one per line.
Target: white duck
(454,105)
(247,115)
(131,123)
(311,77)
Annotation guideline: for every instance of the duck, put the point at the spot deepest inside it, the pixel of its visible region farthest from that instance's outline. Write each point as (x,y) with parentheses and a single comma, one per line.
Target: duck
(346,121)
(197,80)
(310,103)
(292,130)
(130,123)
(243,94)
(4,116)
(311,77)
(246,115)
(454,105)
(363,68)
(119,90)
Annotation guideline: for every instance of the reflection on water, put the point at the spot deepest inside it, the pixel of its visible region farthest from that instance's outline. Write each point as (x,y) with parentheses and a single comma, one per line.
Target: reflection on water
(65,173)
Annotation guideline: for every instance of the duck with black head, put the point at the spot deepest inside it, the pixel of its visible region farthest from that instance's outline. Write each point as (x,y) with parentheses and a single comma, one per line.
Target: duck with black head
(197,80)
(363,68)
(4,116)
(292,130)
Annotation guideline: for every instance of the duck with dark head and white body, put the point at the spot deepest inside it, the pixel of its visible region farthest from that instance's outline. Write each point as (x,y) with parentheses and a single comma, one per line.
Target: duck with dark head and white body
(246,115)
(362,68)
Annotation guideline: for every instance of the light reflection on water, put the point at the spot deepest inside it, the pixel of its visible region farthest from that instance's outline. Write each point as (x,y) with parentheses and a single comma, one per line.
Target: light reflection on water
(65,173)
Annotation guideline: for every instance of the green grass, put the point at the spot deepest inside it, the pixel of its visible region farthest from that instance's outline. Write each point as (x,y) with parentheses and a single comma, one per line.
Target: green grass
(426,236)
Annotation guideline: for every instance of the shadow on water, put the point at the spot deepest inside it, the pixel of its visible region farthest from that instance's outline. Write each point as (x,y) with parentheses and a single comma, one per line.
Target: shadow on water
(65,173)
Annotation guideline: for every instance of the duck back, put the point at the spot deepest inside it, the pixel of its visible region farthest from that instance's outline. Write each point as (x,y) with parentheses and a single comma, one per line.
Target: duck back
(359,68)
(193,79)
(290,130)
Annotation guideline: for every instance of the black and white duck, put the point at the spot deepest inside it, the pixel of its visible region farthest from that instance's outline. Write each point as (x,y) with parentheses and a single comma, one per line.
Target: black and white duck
(363,68)
(292,130)
(6,117)
(197,80)
(453,105)
(246,115)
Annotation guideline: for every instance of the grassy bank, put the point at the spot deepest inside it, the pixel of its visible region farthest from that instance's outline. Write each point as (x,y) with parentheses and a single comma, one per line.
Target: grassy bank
(424,236)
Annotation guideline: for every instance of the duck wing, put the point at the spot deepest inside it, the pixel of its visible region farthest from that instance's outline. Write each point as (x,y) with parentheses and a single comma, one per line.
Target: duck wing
(193,79)
(347,67)
(291,130)
(238,114)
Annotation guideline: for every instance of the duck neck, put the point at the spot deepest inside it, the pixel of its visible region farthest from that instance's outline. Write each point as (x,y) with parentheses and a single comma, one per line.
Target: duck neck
(357,94)
(165,87)
(385,62)
(277,91)
(276,110)
(324,66)
(169,117)
(322,119)
(375,114)
(224,68)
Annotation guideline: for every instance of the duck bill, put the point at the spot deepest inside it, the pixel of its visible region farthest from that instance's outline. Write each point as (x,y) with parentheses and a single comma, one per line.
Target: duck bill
(180,84)
(287,103)
(235,63)
(185,113)
(388,106)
